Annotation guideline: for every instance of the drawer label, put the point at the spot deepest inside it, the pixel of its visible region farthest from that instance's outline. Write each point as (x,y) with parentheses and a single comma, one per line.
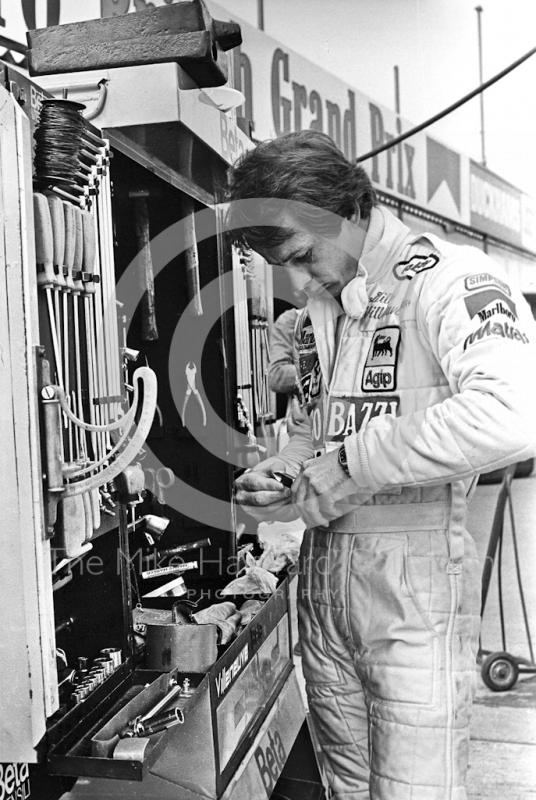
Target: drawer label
(14,781)
(226,677)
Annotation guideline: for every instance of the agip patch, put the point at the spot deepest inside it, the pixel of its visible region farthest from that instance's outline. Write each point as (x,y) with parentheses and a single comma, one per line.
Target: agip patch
(379,372)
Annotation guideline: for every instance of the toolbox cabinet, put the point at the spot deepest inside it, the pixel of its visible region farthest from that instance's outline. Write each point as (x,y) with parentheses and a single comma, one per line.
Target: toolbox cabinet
(241,721)
(252,677)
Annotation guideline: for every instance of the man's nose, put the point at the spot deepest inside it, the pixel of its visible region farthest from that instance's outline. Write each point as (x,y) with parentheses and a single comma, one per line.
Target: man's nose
(299,279)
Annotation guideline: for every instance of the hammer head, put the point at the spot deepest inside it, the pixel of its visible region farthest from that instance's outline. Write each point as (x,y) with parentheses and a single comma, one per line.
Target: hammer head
(183,32)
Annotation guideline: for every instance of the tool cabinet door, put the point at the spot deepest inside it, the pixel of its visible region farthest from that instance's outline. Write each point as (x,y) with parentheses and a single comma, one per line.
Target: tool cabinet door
(28,684)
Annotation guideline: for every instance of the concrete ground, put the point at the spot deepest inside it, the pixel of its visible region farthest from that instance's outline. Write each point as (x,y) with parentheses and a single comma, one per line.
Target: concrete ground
(502,762)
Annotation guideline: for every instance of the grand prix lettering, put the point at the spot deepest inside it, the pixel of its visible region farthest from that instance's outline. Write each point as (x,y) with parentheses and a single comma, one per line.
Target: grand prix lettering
(503,330)
(379,373)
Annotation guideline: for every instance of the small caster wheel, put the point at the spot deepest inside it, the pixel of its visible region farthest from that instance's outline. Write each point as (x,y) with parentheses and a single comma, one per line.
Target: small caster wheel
(499,672)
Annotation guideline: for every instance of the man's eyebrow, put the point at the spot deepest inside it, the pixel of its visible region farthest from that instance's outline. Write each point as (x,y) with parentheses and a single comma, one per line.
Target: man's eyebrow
(294,251)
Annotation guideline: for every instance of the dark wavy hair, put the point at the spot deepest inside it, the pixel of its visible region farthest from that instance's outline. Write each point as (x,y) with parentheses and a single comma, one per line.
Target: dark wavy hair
(305,168)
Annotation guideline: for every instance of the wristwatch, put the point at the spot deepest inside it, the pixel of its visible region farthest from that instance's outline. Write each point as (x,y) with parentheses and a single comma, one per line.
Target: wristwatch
(343,461)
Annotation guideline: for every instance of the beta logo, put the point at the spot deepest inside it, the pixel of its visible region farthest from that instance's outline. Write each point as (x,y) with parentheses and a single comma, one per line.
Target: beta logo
(270,760)
(406,270)
(14,781)
(379,373)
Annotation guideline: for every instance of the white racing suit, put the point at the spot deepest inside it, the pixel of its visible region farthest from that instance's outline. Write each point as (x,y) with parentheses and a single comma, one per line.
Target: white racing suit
(428,385)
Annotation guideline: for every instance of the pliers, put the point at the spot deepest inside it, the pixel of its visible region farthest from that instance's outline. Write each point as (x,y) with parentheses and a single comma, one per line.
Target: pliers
(191,371)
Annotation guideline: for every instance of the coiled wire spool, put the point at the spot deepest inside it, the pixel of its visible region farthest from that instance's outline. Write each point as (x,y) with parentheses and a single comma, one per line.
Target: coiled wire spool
(58,138)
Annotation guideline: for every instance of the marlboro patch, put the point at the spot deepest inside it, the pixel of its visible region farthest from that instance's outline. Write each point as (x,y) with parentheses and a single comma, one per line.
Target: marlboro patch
(406,270)
(489,303)
(379,373)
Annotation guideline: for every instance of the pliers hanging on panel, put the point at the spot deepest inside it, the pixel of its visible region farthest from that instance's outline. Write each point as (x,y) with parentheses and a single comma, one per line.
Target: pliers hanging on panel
(191,371)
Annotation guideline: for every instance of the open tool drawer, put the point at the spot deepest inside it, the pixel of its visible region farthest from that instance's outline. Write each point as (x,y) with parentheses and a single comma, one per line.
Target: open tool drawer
(222,716)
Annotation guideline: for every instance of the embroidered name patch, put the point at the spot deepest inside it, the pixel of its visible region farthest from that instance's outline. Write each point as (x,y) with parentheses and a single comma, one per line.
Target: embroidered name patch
(485,279)
(346,415)
(488,303)
(379,373)
(416,264)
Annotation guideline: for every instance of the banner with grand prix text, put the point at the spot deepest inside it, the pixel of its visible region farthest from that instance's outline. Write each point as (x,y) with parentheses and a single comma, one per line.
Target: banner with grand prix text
(286,92)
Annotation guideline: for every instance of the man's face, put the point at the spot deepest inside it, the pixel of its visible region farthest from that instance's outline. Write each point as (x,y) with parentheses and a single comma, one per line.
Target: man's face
(318,264)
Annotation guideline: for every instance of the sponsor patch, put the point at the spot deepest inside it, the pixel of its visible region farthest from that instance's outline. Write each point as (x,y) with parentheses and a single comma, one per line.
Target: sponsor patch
(484,279)
(416,264)
(379,372)
(309,372)
(347,415)
(502,329)
(489,303)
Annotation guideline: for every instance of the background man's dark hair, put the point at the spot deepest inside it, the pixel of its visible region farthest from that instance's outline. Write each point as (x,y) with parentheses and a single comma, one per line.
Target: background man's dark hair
(306,168)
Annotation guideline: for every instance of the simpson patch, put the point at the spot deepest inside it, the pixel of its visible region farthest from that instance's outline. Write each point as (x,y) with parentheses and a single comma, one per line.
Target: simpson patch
(484,279)
(379,372)
(416,264)
(488,303)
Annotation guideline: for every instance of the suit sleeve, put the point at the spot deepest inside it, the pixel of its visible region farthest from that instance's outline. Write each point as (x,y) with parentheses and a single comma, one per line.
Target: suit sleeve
(298,450)
(490,364)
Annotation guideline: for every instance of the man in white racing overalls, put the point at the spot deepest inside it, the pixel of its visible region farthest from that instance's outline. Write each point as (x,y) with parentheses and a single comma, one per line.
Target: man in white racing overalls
(416,365)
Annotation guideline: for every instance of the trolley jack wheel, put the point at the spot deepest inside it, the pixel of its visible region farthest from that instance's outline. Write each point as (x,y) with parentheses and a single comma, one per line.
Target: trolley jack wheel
(499,671)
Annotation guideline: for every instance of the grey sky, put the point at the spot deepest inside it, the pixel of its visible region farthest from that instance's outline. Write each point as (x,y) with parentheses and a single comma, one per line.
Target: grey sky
(435,45)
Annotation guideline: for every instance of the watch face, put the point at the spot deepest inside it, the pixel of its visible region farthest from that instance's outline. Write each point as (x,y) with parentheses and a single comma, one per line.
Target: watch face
(343,460)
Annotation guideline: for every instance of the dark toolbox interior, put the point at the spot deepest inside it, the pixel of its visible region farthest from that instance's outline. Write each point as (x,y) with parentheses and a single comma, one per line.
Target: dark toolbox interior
(203,446)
